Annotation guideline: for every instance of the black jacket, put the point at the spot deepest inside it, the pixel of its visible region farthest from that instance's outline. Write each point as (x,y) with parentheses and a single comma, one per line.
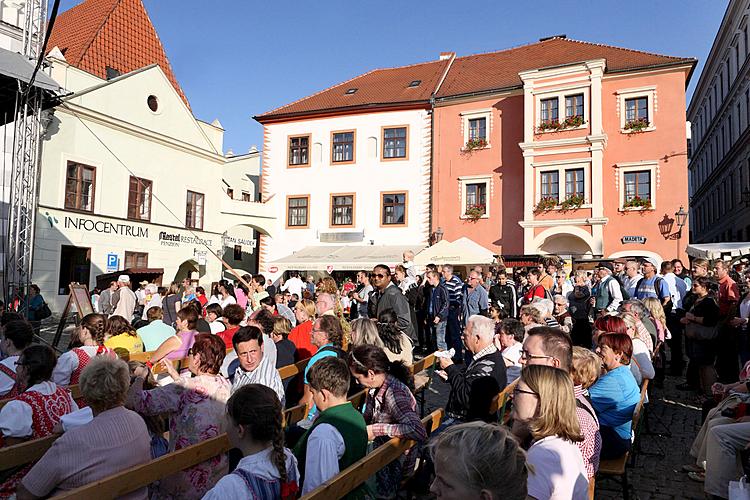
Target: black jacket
(474,388)
(505,295)
(392,298)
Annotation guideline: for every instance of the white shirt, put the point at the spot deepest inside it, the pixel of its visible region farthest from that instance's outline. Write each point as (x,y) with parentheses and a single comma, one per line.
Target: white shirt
(233,487)
(613,287)
(265,373)
(559,471)
(67,364)
(325,447)
(293,285)
(640,365)
(16,417)
(225,302)
(155,301)
(675,290)
(7,383)
(216,327)
(630,284)
(512,357)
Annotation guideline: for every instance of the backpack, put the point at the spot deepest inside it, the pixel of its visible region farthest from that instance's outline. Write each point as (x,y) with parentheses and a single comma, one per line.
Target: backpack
(657,288)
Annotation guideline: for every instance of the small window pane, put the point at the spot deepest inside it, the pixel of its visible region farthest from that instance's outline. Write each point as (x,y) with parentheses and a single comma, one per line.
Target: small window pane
(548,110)
(394,209)
(476,197)
(638,184)
(574,105)
(574,182)
(342,210)
(299,151)
(394,142)
(297,212)
(636,109)
(343,146)
(478,128)
(550,185)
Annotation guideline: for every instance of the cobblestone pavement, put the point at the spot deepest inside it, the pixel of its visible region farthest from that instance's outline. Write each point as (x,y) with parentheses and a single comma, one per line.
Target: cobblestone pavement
(657,472)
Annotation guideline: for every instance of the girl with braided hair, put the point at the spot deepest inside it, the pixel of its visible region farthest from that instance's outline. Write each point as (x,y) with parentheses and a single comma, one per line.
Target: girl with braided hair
(268,469)
(397,344)
(86,343)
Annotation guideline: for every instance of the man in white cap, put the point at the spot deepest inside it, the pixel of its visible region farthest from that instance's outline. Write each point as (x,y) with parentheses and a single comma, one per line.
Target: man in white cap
(126,302)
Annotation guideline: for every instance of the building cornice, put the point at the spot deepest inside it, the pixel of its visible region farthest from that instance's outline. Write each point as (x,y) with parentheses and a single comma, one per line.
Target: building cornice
(352,110)
(587,221)
(589,140)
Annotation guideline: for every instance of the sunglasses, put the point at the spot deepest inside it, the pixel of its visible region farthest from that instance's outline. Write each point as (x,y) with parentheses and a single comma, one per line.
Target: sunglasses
(377,275)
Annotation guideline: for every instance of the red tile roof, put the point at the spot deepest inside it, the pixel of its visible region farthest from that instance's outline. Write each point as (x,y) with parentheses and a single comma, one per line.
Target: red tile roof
(468,74)
(115,33)
(498,70)
(375,88)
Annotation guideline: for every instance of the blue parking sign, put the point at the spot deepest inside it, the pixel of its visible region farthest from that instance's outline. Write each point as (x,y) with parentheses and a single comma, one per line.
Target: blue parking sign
(112,262)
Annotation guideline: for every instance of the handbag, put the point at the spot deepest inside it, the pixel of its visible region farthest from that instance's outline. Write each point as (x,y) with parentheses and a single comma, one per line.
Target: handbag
(700,332)
(739,490)
(43,312)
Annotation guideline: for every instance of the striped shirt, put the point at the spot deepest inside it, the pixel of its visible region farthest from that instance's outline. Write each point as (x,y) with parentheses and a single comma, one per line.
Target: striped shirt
(265,374)
(455,290)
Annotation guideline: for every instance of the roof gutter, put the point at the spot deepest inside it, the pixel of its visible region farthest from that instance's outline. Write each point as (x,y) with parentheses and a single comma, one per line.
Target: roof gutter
(422,104)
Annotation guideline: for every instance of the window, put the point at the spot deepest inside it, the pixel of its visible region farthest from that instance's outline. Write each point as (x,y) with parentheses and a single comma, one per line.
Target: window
(574,182)
(297,211)
(139,199)
(477,128)
(299,151)
(342,147)
(237,252)
(574,105)
(476,197)
(394,142)
(550,186)
(75,267)
(393,212)
(342,209)
(636,109)
(548,110)
(79,187)
(246,196)
(136,259)
(194,210)
(637,184)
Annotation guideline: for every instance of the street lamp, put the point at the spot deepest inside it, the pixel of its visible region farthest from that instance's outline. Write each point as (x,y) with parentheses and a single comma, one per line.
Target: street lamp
(439,234)
(681,216)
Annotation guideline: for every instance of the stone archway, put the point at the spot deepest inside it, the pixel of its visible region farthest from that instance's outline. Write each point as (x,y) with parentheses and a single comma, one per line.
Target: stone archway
(565,244)
(188,269)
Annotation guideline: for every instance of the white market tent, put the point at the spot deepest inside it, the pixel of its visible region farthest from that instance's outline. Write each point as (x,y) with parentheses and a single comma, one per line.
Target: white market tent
(461,252)
(342,257)
(713,251)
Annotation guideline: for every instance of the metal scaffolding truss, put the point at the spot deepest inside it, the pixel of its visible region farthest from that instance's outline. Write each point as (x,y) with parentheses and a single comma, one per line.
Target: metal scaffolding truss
(24,185)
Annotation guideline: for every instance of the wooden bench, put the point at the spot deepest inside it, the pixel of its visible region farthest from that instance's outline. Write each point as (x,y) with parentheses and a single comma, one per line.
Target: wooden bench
(500,402)
(360,471)
(618,467)
(422,371)
(297,368)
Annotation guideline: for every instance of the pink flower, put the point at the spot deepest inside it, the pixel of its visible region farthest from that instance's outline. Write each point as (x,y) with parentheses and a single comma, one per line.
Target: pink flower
(199,477)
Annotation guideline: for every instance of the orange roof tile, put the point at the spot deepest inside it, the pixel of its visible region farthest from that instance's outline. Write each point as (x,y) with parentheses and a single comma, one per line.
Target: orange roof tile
(467,74)
(115,33)
(498,70)
(375,88)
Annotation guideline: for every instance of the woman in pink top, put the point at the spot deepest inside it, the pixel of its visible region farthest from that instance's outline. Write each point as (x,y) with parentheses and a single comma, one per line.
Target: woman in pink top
(116,439)
(196,407)
(177,346)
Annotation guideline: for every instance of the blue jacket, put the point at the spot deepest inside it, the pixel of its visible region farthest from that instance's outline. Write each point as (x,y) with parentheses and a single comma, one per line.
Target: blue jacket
(439,302)
(614,397)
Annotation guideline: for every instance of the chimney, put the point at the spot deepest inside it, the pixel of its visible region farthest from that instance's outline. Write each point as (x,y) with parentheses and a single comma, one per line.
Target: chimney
(446,55)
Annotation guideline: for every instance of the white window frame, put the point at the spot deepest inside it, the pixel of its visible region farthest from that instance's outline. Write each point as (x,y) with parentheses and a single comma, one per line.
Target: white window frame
(561,95)
(464,181)
(650,94)
(471,115)
(560,167)
(622,168)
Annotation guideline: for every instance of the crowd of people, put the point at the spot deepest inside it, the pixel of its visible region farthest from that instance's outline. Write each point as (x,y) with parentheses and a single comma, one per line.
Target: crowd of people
(578,347)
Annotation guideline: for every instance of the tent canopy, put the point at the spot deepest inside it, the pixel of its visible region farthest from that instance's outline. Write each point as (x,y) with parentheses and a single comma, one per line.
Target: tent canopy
(461,252)
(713,251)
(341,257)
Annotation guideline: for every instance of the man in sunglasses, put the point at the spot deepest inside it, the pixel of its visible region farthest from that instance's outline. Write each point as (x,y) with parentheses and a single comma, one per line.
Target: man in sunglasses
(386,295)
(552,347)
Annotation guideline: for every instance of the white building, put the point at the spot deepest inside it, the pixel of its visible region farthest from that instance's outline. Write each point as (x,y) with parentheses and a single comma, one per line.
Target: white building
(348,172)
(131,179)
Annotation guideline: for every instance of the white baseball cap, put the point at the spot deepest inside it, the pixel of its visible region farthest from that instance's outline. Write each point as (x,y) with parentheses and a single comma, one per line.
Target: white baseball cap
(124,278)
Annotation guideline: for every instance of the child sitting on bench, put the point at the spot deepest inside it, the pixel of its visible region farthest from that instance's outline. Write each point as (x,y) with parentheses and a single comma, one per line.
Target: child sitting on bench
(338,436)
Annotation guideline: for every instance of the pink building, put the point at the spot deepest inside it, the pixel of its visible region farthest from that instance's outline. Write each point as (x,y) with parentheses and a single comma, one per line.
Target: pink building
(563,147)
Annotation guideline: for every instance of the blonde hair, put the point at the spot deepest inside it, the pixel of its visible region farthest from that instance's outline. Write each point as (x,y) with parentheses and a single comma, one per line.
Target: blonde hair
(486,457)
(365,331)
(281,326)
(308,306)
(534,312)
(586,367)
(105,382)
(557,403)
(630,320)
(655,308)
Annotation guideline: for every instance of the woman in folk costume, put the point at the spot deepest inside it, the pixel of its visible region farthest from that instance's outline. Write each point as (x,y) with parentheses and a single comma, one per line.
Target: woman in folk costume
(86,343)
(17,335)
(35,412)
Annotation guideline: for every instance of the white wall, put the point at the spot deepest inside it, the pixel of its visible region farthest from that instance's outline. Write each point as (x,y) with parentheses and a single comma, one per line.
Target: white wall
(367,177)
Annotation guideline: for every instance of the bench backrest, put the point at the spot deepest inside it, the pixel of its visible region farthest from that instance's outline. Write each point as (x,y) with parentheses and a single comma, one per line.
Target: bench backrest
(423,364)
(291,370)
(499,401)
(360,471)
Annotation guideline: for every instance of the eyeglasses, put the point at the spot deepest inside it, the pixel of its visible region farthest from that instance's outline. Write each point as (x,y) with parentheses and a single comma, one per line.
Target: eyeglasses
(377,275)
(518,391)
(526,354)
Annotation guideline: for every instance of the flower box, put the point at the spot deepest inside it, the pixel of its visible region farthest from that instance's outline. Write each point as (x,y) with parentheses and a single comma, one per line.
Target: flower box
(473,144)
(637,202)
(572,202)
(546,203)
(555,126)
(475,212)
(637,125)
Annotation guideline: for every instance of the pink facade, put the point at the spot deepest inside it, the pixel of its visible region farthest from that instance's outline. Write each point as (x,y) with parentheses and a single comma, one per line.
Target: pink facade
(598,166)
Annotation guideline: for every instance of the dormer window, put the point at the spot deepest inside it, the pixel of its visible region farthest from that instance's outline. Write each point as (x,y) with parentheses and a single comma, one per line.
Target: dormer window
(415,83)
(352,90)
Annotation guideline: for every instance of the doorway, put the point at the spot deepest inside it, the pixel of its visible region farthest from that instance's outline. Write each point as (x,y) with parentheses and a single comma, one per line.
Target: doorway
(75,267)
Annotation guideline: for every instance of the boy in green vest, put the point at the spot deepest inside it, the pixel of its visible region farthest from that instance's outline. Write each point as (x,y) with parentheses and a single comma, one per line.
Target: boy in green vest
(338,436)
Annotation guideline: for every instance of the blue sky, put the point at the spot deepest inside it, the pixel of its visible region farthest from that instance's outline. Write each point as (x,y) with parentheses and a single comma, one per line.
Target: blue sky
(235,59)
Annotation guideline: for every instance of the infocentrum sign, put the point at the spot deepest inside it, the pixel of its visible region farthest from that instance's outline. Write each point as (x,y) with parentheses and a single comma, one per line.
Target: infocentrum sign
(104,227)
